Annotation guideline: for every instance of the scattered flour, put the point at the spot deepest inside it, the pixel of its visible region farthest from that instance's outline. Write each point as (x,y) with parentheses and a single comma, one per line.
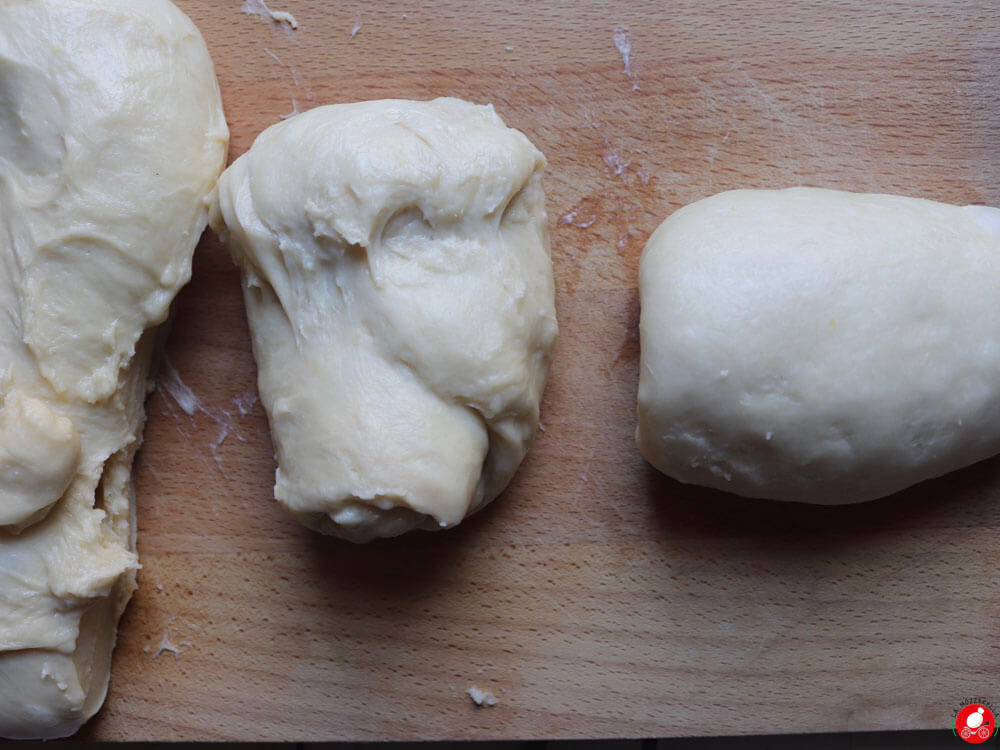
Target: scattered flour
(571,219)
(482,698)
(259,8)
(616,163)
(178,390)
(245,403)
(170,382)
(166,646)
(623,41)
(295,110)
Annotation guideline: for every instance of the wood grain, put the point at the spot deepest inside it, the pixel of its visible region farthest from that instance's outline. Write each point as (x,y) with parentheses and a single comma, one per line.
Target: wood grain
(596,598)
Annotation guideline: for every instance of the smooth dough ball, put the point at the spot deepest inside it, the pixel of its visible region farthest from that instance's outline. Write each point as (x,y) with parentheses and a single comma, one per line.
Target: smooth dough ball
(819,346)
(398,285)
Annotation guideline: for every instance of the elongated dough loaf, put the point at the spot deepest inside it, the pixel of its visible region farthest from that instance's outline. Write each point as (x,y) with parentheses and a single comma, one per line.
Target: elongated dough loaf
(819,346)
(111,137)
(399,290)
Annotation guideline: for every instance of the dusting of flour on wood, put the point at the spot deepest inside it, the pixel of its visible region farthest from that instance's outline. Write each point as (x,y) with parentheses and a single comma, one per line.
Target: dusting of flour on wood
(166,646)
(623,42)
(171,384)
(480,697)
(259,8)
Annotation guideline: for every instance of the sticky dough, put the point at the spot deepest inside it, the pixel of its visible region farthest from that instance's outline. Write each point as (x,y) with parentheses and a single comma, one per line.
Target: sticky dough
(399,291)
(111,136)
(819,346)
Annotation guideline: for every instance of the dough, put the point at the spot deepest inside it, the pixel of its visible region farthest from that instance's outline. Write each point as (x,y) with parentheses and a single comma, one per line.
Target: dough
(398,285)
(111,137)
(819,346)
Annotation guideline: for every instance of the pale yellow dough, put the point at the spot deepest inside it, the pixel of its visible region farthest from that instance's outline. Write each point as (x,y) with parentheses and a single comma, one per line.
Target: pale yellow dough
(399,290)
(111,136)
(819,346)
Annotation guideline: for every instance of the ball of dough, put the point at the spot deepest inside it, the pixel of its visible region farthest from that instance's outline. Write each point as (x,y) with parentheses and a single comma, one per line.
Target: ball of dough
(819,346)
(398,285)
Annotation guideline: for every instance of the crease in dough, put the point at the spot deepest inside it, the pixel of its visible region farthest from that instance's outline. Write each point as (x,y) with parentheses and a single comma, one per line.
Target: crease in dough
(398,285)
(111,138)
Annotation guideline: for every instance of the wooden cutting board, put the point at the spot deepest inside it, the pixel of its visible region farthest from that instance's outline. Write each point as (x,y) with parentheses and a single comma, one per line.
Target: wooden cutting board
(595,598)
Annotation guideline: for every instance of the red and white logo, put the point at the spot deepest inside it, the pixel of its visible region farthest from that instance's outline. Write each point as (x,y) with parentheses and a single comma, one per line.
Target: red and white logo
(975,723)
